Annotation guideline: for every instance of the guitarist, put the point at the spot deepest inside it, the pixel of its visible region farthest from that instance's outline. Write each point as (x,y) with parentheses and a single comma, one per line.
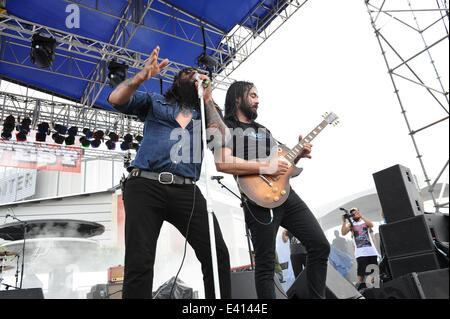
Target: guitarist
(248,154)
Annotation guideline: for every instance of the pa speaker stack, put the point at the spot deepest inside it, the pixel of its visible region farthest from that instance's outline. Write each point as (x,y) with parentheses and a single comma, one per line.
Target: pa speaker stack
(407,243)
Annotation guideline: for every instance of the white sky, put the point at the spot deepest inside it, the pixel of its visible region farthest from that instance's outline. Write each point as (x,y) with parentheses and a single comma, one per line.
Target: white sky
(327,58)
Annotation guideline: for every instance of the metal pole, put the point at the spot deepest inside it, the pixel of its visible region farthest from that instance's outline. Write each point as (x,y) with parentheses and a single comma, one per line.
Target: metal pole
(212,236)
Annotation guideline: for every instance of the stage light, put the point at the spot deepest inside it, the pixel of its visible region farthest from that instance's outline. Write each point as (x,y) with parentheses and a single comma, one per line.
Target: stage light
(117,73)
(23,129)
(206,60)
(61,129)
(127,142)
(98,137)
(138,138)
(87,132)
(72,132)
(8,127)
(70,140)
(111,143)
(59,139)
(21,136)
(42,50)
(42,131)
(96,143)
(85,142)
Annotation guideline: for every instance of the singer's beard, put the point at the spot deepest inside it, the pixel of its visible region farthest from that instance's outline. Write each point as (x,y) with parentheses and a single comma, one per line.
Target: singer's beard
(188,94)
(356,219)
(249,113)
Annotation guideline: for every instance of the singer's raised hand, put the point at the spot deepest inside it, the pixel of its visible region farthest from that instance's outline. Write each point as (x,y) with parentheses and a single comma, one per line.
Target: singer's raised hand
(152,67)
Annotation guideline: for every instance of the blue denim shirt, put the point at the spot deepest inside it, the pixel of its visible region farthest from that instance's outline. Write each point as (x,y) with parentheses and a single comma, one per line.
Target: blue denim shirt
(166,146)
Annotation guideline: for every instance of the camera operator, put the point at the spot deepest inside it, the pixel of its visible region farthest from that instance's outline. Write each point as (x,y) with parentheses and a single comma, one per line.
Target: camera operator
(363,245)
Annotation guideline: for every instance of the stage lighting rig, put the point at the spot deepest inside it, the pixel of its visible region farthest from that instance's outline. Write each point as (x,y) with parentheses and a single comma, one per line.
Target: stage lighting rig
(8,127)
(42,50)
(117,73)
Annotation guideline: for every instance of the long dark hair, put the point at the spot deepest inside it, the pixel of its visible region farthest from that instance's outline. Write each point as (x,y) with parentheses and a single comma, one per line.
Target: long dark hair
(239,89)
(173,93)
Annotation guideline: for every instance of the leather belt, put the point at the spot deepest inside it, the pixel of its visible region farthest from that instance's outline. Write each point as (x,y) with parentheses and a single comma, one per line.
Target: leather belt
(163,177)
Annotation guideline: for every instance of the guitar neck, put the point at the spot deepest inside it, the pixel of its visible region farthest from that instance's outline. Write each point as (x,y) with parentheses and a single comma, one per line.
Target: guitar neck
(297,149)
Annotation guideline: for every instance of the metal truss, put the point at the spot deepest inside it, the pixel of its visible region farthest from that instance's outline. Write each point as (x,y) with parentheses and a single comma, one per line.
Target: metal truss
(76,50)
(421,68)
(41,110)
(232,49)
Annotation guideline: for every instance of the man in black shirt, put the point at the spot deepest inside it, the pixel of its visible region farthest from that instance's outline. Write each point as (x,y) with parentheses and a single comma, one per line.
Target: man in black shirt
(248,153)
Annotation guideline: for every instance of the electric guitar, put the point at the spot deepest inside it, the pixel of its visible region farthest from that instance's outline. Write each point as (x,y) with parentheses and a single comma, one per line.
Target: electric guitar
(270,191)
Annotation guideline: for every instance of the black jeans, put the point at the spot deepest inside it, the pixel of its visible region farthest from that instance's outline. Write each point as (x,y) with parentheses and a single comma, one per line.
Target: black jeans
(298,263)
(147,204)
(296,217)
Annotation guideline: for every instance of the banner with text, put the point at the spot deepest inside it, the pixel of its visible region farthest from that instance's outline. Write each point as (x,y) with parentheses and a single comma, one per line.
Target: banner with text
(34,155)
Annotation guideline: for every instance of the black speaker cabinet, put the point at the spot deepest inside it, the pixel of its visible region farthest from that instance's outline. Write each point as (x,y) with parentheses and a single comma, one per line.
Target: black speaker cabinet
(414,263)
(438,225)
(406,237)
(243,286)
(423,285)
(398,194)
(32,293)
(337,287)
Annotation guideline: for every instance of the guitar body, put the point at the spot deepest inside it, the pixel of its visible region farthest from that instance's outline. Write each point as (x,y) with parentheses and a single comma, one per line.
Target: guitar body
(268,191)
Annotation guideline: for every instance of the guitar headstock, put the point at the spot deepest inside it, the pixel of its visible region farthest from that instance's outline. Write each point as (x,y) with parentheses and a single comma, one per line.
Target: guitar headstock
(331,118)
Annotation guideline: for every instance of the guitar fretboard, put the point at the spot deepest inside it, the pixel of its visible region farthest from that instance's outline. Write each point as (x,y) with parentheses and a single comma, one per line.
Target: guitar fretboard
(297,149)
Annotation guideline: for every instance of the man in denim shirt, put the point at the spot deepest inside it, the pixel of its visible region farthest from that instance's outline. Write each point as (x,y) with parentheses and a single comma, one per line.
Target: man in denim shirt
(161,185)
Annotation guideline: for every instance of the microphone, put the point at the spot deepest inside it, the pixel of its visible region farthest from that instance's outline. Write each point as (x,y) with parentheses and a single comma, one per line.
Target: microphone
(205,82)
(218,178)
(343,209)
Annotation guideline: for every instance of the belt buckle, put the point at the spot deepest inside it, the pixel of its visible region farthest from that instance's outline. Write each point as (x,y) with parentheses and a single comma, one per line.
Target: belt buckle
(163,182)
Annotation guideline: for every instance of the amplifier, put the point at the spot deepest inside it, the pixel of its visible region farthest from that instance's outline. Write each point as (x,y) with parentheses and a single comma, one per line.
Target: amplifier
(115,274)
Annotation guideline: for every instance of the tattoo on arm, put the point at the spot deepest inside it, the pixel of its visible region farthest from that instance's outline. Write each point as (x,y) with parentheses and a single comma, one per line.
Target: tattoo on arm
(215,126)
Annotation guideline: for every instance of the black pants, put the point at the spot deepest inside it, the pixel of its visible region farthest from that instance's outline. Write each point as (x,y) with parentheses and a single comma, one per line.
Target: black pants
(298,263)
(147,204)
(296,217)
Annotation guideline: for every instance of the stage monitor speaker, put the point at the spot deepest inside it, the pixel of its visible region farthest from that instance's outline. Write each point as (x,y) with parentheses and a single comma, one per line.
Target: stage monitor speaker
(337,287)
(398,194)
(243,286)
(406,237)
(32,293)
(414,263)
(423,285)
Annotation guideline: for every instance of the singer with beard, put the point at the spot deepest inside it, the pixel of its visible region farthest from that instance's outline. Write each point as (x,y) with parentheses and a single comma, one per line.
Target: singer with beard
(248,154)
(160,186)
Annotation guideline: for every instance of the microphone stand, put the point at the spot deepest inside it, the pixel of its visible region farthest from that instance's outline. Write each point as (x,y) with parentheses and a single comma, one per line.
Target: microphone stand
(246,226)
(212,236)
(24,226)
